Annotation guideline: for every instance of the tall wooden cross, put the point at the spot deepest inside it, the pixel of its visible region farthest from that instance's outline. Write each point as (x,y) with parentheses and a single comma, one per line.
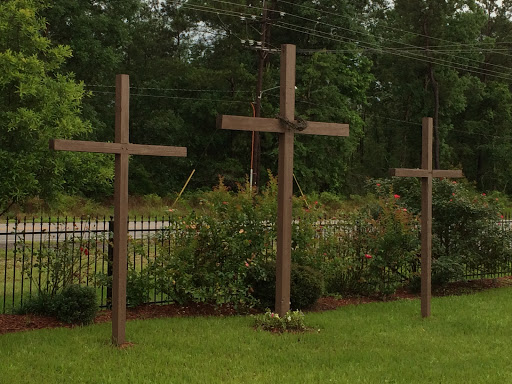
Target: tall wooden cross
(122,150)
(285,165)
(426,173)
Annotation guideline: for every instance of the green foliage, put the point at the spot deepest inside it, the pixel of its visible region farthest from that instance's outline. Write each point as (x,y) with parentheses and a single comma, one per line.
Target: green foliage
(306,285)
(466,228)
(292,321)
(60,266)
(37,102)
(76,305)
(211,253)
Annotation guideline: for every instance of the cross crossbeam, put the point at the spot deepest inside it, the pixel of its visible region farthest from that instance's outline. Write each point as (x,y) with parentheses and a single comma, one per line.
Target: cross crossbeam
(426,173)
(285,165)
(122,149)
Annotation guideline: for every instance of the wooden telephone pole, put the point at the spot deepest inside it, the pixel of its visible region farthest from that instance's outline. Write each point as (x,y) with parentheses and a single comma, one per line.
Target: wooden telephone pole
(262,62)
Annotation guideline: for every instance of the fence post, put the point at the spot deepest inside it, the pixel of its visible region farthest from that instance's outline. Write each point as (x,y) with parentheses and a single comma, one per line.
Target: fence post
(110,260)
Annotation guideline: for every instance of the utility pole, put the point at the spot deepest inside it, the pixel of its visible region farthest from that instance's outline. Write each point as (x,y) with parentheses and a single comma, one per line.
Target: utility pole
(262,62)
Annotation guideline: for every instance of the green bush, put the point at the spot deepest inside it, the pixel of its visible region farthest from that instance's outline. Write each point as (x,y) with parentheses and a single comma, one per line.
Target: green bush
(76,305)
(306,286)
(466,228)
(42,304)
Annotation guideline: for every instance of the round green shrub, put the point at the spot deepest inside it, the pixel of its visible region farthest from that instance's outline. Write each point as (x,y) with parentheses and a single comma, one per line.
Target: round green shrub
(76,305)
(306,286)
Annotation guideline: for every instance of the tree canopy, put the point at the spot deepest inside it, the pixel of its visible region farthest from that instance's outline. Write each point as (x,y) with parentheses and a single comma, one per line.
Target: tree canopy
(376,65)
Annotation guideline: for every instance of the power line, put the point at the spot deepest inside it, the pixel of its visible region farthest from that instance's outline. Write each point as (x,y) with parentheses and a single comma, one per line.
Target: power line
(392,51)
(365,34)
(481,71)
(384,26)
(169,89)
(178,97)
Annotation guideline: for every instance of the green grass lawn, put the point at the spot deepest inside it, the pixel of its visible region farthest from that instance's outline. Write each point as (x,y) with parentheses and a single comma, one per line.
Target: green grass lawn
(467,340)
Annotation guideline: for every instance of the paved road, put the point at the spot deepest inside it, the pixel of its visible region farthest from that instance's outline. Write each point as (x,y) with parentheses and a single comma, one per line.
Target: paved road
(40,232)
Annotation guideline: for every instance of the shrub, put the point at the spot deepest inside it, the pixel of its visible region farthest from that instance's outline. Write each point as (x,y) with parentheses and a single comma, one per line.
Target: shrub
(306,286)
(43,304)
(466,228)
(76,305)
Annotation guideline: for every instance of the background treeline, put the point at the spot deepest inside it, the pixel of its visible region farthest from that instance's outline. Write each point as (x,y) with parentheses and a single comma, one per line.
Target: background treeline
(380,67)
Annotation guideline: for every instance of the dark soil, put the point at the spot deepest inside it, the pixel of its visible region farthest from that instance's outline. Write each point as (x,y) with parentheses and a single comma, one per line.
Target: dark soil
(17,323)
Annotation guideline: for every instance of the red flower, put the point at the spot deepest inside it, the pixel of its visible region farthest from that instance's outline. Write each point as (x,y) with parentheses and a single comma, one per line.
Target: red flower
(453,194)
(396,196)
(368,256)
(86,251)
(316,202)
(378,184)
(483,194)
(225,202)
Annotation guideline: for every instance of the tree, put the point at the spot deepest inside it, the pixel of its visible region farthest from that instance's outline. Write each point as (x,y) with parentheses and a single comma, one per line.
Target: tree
(37,102)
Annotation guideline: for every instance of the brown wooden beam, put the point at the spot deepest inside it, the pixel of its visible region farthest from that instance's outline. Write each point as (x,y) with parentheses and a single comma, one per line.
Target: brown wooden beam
(263,124)
(418,172)
(120,213)
(117,148)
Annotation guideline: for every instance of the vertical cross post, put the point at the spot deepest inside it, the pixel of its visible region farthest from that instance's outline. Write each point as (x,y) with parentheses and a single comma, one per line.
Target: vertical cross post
(285,179)
(120,211)
(426,217)
(427,174)
(286,133)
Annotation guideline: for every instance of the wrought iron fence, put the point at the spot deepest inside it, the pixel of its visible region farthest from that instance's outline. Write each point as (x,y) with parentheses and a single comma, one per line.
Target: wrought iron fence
(31,251)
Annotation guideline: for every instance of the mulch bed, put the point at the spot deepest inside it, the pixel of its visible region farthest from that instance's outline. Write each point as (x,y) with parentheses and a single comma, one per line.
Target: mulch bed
(17,323)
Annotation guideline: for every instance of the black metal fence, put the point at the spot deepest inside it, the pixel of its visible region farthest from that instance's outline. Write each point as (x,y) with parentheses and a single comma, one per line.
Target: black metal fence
(41,255)
(31,251)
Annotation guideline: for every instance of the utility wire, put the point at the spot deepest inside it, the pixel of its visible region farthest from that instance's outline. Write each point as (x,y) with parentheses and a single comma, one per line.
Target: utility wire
(170,89)
(329,36)
(178,97)
(382,26)
(365,33)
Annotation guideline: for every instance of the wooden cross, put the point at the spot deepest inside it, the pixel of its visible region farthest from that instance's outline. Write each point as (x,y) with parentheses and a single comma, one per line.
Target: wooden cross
(426,173)
(285,165)
(122,150)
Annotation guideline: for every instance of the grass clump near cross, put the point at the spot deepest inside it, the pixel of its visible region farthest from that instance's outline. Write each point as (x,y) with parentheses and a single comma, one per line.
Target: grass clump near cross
(467,340)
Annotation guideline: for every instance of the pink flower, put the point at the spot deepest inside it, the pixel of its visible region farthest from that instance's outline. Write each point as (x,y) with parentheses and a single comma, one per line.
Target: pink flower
(501,216)
(225,202)
(451,200)
(325,253)
(483,194)
(405,209)
(247,264)
(454,182)
(368,256)
(272,314)
(378,184)
(316,202)
(453,194)
(396,196)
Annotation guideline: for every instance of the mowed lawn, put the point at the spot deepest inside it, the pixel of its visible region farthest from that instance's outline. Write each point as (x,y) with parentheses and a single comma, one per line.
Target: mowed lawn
(467,340)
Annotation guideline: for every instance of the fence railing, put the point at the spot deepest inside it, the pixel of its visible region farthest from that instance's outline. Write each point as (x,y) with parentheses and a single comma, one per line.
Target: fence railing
(37,254)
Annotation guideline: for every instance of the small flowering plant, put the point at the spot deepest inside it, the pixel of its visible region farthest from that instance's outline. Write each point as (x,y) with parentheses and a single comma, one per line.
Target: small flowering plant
(292,321)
